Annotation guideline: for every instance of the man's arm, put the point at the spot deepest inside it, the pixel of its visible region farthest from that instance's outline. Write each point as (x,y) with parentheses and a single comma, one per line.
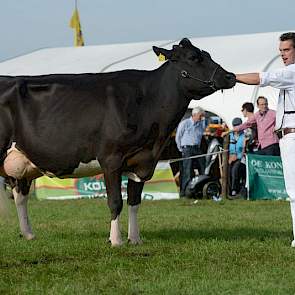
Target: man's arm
(249,123)
(179,134)
(250,78)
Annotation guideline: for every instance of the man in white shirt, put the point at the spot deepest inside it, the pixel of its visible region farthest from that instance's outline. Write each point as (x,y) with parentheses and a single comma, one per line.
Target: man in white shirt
(284,80)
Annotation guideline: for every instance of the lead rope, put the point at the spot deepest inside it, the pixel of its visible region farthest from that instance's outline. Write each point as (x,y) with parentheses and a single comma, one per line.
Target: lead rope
(209,82)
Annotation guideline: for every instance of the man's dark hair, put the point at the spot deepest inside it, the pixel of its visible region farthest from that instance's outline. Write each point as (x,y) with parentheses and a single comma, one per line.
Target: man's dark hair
(261,97)
(248,106)
(288,36)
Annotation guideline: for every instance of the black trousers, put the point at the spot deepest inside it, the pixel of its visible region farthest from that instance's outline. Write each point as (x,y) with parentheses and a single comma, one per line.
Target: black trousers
(237,173)
(186,167)
(270,150)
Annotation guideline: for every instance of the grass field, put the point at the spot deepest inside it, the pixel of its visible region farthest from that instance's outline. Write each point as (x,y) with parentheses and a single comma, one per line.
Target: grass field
(228,247)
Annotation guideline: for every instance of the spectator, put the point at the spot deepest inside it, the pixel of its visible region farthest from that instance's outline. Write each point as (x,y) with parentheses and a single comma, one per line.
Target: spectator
(264,119)
(237,169)
(251,141)
(188,139)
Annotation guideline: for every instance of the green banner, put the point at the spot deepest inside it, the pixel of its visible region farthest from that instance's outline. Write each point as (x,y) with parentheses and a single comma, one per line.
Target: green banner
(265,178)
(161,186)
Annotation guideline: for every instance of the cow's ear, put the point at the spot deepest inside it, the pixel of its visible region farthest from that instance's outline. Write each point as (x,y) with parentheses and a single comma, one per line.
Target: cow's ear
(161,51)
(185,42)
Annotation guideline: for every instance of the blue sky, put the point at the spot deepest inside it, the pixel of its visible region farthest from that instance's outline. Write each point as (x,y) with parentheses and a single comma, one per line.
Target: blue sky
(28,25)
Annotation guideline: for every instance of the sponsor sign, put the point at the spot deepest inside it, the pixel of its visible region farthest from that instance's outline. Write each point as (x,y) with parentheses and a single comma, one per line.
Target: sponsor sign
(161,186)
(265,177)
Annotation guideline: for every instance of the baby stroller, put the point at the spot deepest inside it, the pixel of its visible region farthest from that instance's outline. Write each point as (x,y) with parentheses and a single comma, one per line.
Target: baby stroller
(206,185)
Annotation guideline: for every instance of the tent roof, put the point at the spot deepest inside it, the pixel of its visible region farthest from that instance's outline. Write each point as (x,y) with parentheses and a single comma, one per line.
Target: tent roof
(236,53)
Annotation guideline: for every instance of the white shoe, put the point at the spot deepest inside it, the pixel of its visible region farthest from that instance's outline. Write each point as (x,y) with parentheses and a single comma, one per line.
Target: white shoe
(293,244)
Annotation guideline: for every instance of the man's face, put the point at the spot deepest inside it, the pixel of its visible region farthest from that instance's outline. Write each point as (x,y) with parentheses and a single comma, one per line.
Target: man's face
(262,105)
(287,52)
(198,116)
(244,112)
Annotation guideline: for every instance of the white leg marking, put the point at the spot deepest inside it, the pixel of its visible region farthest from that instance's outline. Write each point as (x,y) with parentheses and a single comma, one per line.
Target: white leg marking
(22,212)
(115,233)
(133,230)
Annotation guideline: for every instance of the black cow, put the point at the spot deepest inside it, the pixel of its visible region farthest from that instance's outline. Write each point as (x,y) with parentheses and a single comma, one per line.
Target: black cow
(83,124)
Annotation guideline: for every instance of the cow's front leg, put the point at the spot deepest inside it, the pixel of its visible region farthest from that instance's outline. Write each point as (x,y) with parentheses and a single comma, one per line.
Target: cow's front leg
(115,203)
(20,194)
(134,190)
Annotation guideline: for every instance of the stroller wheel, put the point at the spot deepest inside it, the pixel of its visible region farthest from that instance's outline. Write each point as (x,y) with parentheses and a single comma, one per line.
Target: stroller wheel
(211,189)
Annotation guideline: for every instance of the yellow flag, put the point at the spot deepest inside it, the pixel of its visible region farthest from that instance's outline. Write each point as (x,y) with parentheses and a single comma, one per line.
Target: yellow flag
(75,24)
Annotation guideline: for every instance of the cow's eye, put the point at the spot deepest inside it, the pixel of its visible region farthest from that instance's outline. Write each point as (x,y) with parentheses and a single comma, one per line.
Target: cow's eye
(194,57)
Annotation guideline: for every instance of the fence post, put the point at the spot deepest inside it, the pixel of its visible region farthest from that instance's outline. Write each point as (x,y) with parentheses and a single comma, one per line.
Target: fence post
(224,176)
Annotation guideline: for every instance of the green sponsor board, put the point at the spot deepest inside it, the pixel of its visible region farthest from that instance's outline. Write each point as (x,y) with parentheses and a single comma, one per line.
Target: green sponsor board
(265,178)
(161,186)
(96,185)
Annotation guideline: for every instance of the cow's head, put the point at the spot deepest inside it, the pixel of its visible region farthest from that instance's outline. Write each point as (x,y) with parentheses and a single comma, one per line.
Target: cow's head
(200,75)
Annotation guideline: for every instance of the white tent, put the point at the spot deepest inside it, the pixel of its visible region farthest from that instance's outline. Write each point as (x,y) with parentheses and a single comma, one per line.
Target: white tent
(237,53)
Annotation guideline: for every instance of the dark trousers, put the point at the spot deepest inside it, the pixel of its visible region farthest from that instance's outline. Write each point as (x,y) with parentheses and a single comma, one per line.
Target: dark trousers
(271,150)
(186,167)
(237,175)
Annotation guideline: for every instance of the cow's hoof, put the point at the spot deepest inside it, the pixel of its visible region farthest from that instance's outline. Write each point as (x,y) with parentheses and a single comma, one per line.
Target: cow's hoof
(135,241)
(117,244)
(28,236)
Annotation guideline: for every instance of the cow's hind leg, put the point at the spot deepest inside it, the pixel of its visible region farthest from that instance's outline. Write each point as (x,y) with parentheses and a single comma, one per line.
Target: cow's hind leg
(134,190)
(20,191)
(115,203)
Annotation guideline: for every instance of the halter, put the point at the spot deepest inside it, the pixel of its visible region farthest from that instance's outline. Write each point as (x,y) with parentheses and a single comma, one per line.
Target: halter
(209,82)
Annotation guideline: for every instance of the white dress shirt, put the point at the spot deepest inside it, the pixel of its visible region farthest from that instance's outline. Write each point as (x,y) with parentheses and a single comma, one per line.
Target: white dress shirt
(284,80)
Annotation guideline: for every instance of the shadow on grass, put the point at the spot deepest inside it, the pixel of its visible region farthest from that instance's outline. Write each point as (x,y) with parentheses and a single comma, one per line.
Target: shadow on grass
(74,254)
(239,233)
(183,235)
(37,261)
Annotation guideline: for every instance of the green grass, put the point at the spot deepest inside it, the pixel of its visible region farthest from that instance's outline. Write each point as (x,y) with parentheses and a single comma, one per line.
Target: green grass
(230,247)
